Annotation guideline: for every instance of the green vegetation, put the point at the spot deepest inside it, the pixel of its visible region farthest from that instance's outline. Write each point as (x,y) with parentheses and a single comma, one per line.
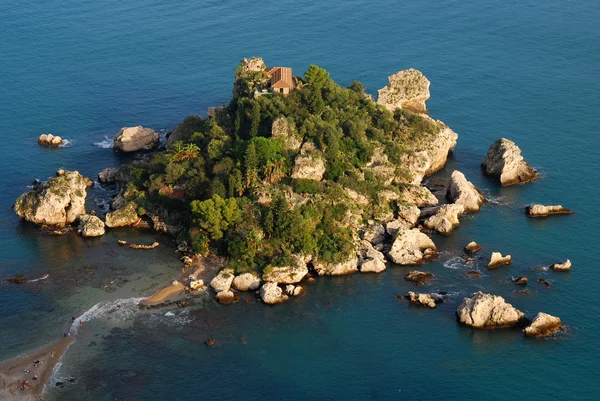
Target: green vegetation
(232,181)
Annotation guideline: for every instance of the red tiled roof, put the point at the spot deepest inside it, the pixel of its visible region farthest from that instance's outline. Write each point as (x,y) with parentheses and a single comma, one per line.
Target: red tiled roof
(281,77)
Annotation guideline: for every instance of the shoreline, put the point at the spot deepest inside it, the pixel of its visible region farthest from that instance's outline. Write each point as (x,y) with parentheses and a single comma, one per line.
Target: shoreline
(12,372)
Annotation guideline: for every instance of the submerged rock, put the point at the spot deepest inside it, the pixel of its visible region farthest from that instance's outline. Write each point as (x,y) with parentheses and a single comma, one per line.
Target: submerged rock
(422,299)
(498,260)
(246,282)
(463,192)
(225,297)
(50,140)
(290,274)
(58,202)
(445,219)
(412,247)
(504,161)
(337,269)
(407,89)
(123,217)
(486,311)
(108,175)
(418,277)
(472,247)
(272,294)
(17,279)
(563,267)
(543,325)
(545,282)
(537,210)
(132,139)
(90,226)
(222,281)
(520,280)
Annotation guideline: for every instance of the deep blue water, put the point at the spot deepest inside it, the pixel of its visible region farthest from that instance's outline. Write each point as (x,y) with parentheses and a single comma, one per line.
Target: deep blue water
(526,70)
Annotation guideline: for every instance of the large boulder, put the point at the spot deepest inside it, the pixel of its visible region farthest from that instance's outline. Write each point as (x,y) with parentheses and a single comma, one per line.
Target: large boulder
(418,195)
(123,217)
(374,233)
(50,140)
(108,175)
(407,218)
(562,267)
(486,311)
(225,297)
(309,166)
(246,282)
(463,192)
(472,247)
(498,260)
(422,299)
(132,139)
(504,161)
(90,226)
(336,269)
(407,89)
(272,294)
(370,259)
(289,274)
(412,247)
(445,219)
(59,201)
(222,281)
(537,210)
(543,325)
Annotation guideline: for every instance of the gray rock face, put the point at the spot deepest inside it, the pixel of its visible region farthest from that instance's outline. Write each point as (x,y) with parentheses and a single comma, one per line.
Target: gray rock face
(132,139)
(108,175)
(291,274)
(445,219)
(486,311)
(463,192)
(272,294)
(222,281)
(90,226)
(59,201)
(246,282)
(543,325)
(504,161)
(537,210)
(407,89)
(337,269)
(412,247)
(123,217)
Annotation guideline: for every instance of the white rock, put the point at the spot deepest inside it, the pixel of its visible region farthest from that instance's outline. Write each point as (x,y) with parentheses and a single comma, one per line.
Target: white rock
(90,226)
(412,247)
(498,260)
(225,297)
(504,161)
(222,281)
(537,210)
(407,89)
(272,294)
(566,266)
(370,260)
(337,269)
(463,192)
(445,219)
(293,290)
(543,325)
(422,299)
(132,139)
(291,274)
(374,233)
(246,282)
(418,195)
(486,311)
(123,217)
(197,285)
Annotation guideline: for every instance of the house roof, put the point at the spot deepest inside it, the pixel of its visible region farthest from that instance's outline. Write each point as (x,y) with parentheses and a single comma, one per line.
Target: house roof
(281,77)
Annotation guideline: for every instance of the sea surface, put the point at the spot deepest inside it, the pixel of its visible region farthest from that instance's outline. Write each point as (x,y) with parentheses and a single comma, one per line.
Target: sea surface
(526,70)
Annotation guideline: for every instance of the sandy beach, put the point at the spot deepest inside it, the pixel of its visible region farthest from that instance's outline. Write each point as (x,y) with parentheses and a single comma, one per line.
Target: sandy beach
(13,372)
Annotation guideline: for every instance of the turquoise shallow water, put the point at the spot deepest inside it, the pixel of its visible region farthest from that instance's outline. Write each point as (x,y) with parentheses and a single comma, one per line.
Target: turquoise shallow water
(524,70)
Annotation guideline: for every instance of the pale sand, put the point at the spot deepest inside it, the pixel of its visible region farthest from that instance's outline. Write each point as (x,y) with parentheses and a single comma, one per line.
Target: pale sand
(12,372)
(165,294)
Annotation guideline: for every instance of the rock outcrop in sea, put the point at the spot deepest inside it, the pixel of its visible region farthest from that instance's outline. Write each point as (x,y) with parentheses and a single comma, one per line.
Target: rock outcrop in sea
(537,210)
(418,277)
(272,294)
(422,299)
(222,281)
(486,311)
(123,217)
(90,226)
(133,139)
(543,325)
(407,89)
(504,161)
(57,202)
(246,282)
(370,259)
(412,247)
(463,192)
(445,219)
(50,140)
(108,175)
(472,247)
(498,260)
(562,267)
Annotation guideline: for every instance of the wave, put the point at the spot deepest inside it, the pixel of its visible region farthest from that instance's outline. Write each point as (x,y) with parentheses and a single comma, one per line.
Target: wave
(455,262)
(67,143)
(117,310)
(44,277)
(107,143)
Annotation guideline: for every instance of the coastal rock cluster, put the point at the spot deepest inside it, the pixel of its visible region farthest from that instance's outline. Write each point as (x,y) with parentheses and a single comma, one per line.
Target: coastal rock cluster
(50,140)
(504,162)
(407,89)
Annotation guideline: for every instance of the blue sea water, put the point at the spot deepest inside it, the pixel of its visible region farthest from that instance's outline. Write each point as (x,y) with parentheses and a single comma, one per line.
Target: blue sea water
(526,70)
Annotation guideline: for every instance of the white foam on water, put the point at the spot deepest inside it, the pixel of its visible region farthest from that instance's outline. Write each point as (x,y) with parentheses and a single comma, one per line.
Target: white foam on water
(67,143)
(107,143)
(118,310)
(455,262)
(44,277)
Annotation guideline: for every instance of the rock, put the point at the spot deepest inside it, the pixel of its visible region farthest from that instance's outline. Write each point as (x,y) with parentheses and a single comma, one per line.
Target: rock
(58,202)
(17,279)
(122,242)
(472,247)
(418,277)
(418,195)
(225,297)
(374,233)
(422,299)
(294,290)
(152,246)
(498,260)
(545,282)
(211,342)
(197,285)
(486,311)
(520,280)
(272,294)
(246,282)
(90,226)
(370,260)
(562,267)
(410,214)
(284,132)
(123,217)
(463,192)
(407,89)
(290,274)
(537,210)
(336,269)
(412,247)
(132,139)
(50,140)
(309,165)
(543,325)
(222,281)
(473,273)
(108,175)
(504,161)
(445,219)
(187,261)
(393,227)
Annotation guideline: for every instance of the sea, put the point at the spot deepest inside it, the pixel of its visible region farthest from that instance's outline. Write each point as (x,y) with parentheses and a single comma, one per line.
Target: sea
(525,70)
